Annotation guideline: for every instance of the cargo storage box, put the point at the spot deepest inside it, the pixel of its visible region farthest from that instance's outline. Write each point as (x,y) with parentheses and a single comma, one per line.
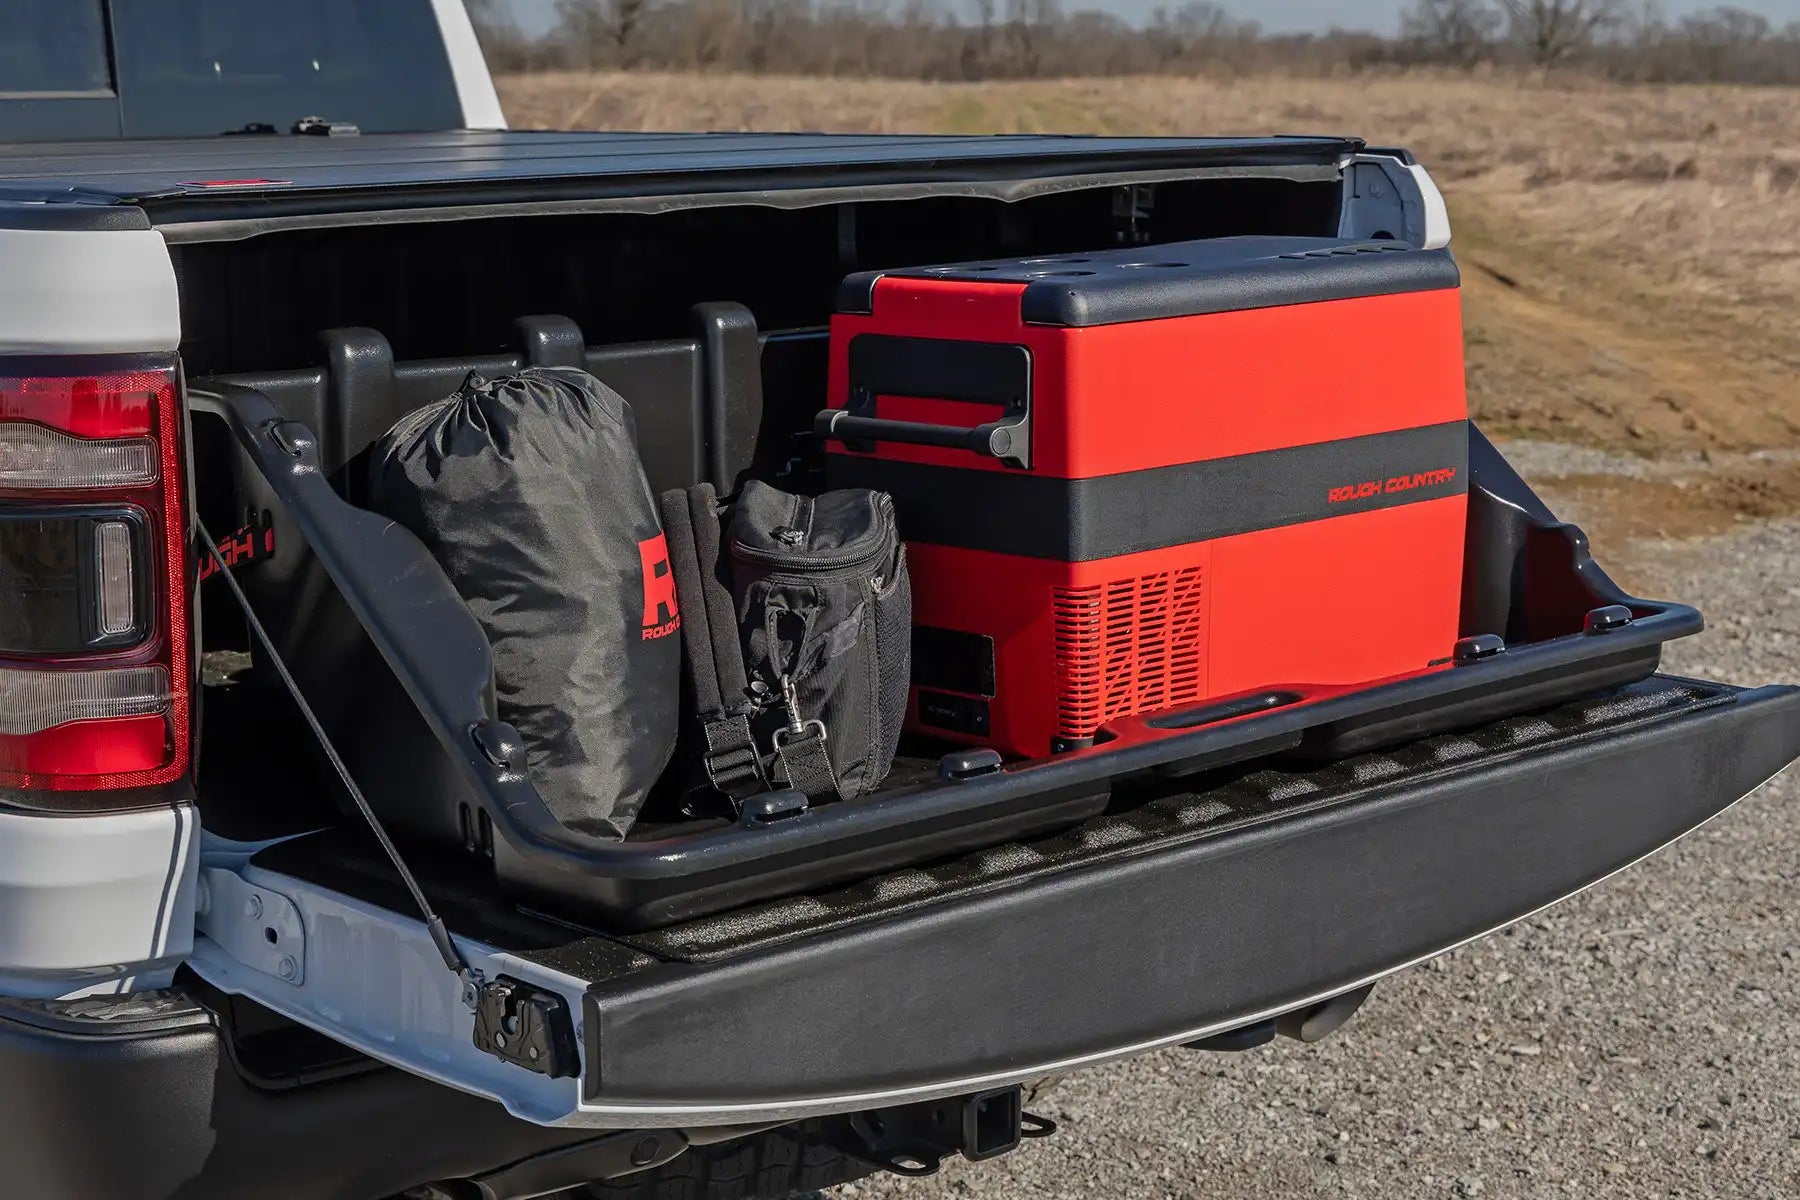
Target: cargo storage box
(1143,479)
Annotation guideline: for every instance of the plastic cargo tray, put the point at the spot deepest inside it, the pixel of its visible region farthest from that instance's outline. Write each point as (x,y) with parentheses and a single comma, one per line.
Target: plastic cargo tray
(1544,624)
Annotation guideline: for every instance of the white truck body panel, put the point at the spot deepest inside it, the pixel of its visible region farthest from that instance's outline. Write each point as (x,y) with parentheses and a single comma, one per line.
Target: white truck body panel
(474,86)
(96,905)
(99,291)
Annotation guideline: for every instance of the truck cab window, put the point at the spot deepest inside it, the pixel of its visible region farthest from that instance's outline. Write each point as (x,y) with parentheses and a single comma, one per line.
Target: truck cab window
(202,67)
(53,48)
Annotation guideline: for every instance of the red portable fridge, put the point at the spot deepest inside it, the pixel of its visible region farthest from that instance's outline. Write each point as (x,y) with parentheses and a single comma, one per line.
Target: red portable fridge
(1144,479)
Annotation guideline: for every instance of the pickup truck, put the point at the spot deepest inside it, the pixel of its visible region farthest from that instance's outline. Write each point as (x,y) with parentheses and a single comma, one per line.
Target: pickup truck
(219,977)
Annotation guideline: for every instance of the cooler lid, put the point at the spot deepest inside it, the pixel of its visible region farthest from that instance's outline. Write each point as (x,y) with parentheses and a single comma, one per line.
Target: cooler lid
(1185,279)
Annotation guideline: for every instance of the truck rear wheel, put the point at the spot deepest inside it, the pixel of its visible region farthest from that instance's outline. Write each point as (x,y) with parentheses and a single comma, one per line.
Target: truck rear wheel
(772,1165)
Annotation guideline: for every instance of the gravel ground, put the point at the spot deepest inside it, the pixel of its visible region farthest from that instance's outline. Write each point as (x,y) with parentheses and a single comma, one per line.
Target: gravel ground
(1640,1040)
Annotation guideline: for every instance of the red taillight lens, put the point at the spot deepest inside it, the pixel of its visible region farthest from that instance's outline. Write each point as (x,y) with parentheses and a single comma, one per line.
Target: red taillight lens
(95,626)
(122,404)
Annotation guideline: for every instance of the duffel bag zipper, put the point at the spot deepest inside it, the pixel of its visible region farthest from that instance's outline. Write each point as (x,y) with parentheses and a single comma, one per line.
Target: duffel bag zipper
(857,570)
(824,562)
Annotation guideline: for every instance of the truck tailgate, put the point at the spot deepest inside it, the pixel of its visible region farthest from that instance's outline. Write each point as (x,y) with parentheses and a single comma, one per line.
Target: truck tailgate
(1198,905)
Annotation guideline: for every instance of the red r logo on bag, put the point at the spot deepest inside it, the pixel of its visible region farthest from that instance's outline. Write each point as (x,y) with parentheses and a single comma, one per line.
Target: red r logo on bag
(662,616)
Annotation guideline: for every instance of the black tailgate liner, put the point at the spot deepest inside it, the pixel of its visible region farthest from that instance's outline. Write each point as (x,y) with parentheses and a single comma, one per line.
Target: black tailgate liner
(1200,909)
(1164,814)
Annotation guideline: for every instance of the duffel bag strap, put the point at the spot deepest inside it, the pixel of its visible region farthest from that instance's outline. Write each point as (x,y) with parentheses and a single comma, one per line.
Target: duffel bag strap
(732,763)
(805,762)
(800,745)
(711,650)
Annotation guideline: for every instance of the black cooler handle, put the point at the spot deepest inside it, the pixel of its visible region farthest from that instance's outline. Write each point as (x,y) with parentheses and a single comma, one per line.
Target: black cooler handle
(997,373)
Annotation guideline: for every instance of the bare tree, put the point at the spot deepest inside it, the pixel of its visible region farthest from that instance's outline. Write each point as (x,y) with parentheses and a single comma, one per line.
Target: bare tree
(1551,30)
(1198,31)
(1716,45)
(1098,42)
(1461,32)
(505,44)
(602,32)
(1031,25)
(985,39)
(770,29)
(1728,28)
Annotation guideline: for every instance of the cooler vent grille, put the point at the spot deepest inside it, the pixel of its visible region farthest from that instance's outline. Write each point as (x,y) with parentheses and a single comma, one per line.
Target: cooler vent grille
(1128,646)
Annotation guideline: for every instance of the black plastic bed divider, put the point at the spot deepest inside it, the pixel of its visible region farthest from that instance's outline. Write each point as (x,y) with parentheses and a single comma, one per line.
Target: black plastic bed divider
(1531,589)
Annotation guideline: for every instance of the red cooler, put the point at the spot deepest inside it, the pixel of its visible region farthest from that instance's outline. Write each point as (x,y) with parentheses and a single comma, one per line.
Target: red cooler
(1143,479)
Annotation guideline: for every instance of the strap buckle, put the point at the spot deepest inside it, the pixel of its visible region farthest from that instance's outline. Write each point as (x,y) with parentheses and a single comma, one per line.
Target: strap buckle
(791,733)
(732,763)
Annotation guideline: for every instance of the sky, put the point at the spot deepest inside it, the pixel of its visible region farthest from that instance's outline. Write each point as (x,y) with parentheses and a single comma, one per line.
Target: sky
(1278,16)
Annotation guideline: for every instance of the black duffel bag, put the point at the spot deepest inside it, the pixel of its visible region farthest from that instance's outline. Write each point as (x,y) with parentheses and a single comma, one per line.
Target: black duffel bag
(529,493)
(798,637)
(824,605)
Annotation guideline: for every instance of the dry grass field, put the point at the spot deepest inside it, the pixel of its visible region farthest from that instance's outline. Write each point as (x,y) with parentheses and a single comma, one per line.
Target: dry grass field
(1631,254)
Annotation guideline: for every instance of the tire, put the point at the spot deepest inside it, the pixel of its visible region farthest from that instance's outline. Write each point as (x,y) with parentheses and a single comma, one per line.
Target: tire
(772,1165)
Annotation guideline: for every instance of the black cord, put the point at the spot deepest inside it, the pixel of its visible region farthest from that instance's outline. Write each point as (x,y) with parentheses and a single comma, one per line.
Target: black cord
(434,925)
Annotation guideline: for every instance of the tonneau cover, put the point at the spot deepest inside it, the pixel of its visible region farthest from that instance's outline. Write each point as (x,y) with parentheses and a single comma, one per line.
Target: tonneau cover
(231,187)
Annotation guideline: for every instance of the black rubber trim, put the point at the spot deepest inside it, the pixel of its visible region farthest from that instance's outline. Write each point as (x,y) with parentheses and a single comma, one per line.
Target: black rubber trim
(67,217)
(1187,279)
(1331,886)
(150,1012)
(1079,520)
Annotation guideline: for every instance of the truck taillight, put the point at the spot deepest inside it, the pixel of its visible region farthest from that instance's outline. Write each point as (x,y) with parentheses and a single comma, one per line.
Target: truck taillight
(95,623)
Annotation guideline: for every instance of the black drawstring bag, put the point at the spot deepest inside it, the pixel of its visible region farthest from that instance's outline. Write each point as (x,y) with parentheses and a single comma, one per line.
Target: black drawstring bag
(529,493)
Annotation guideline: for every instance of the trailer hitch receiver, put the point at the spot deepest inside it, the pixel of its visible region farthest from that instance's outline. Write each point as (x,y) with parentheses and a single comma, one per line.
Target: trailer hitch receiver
(915,1139)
